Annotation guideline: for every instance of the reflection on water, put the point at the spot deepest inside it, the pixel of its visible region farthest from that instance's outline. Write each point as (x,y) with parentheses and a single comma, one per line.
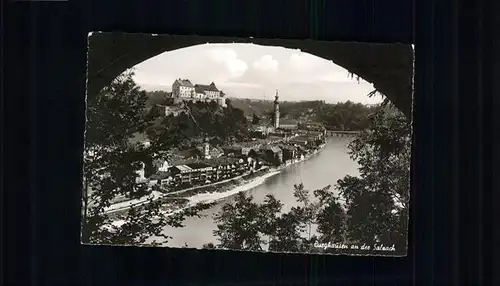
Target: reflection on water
(325,168)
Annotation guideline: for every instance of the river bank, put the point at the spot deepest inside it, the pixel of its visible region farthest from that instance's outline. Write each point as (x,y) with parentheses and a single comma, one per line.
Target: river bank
(124,205)
(206,195)
(212,197)
(325,168)
(244,184)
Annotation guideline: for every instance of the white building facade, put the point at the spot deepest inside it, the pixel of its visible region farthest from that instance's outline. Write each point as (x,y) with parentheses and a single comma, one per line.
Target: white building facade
(183,89)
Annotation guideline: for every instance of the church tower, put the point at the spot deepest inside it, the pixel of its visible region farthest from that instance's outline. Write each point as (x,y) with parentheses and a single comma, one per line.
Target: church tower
(206,149)
(276,111)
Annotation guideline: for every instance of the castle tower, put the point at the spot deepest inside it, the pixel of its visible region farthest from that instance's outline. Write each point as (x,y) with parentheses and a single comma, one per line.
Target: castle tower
(276,111)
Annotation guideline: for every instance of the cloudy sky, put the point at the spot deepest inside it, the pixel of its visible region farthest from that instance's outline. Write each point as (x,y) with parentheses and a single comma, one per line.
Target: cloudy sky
(253,71)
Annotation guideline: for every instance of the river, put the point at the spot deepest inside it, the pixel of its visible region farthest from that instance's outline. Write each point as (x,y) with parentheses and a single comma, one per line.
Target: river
(324,168)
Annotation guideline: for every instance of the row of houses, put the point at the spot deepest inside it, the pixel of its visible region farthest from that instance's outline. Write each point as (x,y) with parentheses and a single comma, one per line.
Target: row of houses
(206,164)
(203,169)
(309,139)
(285,126)
(197,172)
(276,153)
(243,148)
(204,172)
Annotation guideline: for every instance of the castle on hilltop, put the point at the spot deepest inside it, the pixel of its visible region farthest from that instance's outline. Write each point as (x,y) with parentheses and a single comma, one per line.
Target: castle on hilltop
(184,90)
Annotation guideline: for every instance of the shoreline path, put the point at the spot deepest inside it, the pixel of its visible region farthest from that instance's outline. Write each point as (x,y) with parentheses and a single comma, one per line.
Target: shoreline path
(118,207)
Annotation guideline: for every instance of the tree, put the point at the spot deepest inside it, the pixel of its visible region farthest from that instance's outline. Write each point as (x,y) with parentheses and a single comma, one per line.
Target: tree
(201,119)
(370,209)
(286,235)
(345,115)
(248,225)
(112,164)
(157,97)
(238,225)
(308,209)
(233,124)
(330,217)
(255,119)
(292,230)
(209,245)
(377,200)
(323,210)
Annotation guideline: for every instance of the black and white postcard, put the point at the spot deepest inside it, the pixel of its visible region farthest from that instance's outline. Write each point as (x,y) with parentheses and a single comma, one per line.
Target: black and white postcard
(247,144)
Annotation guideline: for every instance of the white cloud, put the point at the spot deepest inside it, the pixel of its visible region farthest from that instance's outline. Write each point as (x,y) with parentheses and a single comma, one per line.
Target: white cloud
(148,78)
(229,59)
(302,62)
(266,63)
(241,84)
(222,54)
(248,70)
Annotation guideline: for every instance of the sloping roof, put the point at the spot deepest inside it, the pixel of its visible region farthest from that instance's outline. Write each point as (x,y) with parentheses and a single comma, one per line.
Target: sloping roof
(203,87)
(300,148)
(198,165)
(213,151)
(221,161)
(199,89)
(212,85)
(248,144)
(299,139)
(160,175)
(273,149)
(159,162)
(266,122)
(184,82)
(216,152)
(314,133)
(287,147)
(288,122)
(181,161)
(271,139)
(182,168)
(312,123)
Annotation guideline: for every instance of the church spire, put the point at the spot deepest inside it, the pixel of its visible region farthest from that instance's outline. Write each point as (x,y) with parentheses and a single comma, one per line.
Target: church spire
(276,111)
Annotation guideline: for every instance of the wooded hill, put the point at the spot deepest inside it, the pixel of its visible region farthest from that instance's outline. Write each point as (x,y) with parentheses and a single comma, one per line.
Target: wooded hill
(339,116)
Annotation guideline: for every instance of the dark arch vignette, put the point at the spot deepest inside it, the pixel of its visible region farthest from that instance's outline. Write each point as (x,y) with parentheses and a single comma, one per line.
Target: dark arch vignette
(218,164)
